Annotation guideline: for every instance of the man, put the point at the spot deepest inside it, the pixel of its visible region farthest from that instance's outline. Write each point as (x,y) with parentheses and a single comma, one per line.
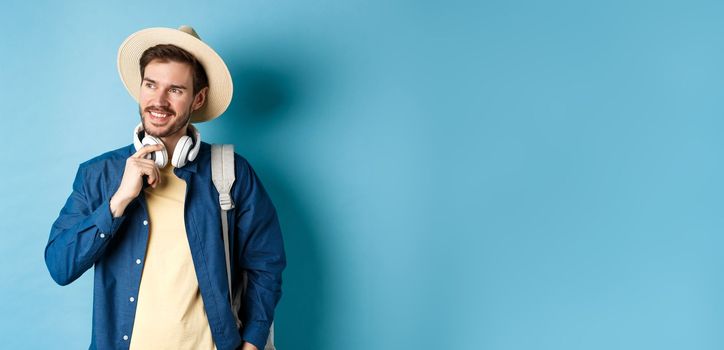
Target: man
(153,231)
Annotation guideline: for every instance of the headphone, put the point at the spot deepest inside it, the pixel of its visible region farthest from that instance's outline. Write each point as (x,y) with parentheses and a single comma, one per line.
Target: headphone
(186,149)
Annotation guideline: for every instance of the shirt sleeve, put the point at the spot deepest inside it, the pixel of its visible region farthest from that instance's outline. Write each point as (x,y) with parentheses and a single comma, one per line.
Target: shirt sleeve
(262,254)
(79,235)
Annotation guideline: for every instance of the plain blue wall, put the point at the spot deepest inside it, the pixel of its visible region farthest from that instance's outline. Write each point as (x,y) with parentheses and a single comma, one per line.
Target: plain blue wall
(449,175)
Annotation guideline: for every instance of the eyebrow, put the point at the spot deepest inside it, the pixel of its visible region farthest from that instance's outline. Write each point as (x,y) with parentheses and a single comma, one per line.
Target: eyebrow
(180,87)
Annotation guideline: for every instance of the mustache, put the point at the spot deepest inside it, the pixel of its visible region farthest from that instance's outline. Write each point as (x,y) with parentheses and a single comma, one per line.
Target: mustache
(159,110)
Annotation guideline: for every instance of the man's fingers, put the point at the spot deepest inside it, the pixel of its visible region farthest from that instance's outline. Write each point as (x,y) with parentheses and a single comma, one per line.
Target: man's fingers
(144,162)
(151,170)
(146,150)
(146,170)
(158,176)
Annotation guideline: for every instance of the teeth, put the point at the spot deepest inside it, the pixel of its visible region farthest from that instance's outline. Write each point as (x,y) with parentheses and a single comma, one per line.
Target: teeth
(159,115)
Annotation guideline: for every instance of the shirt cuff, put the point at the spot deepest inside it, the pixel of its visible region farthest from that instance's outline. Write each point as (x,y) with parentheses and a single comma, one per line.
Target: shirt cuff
(104,219)
(256,333)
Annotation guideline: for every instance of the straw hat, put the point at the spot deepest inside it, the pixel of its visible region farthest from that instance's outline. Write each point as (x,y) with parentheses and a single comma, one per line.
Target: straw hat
(220,85)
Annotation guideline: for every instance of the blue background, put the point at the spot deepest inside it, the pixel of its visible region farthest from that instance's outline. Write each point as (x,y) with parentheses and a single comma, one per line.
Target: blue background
(449,175)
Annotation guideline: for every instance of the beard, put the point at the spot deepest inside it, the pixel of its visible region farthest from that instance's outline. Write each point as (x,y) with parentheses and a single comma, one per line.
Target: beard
(179,121)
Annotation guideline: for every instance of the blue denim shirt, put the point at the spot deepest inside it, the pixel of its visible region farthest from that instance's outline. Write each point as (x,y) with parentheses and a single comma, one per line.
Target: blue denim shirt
(85,234)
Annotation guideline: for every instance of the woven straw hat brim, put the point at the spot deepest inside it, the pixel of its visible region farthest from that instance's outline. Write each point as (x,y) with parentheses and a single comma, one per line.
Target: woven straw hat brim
(221,88)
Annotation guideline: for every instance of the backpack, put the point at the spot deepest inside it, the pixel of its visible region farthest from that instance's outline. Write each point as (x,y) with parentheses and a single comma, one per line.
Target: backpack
(222,174)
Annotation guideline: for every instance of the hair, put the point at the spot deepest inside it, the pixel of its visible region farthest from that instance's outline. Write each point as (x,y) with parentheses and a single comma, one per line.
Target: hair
(168,52)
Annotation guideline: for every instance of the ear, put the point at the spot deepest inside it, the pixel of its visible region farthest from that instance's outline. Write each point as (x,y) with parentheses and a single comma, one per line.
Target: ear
(200,99)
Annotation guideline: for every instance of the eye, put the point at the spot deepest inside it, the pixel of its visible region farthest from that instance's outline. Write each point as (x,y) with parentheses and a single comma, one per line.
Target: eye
(175,91)
(148,85)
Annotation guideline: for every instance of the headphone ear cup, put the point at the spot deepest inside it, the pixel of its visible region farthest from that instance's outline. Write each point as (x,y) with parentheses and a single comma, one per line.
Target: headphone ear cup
(181,152)
(160,157)
(196,138)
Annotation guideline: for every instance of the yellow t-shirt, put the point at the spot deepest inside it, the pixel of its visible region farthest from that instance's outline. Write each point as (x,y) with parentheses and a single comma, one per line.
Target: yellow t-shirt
(170,313)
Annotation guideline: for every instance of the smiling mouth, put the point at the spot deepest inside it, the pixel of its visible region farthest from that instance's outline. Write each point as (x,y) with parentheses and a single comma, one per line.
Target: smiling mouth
(159,115)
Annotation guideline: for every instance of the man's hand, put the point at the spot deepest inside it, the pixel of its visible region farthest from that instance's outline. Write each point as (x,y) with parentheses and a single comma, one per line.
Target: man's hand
(249,346)
(137,166)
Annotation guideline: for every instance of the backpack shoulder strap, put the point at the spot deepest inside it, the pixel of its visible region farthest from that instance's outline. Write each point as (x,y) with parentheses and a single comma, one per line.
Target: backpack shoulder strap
(222,175)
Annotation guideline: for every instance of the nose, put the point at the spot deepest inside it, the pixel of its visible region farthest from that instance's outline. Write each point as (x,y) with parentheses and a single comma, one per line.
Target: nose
(159,99)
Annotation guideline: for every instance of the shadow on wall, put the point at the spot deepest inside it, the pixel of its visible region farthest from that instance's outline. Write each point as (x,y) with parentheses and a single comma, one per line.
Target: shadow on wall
(264,97)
